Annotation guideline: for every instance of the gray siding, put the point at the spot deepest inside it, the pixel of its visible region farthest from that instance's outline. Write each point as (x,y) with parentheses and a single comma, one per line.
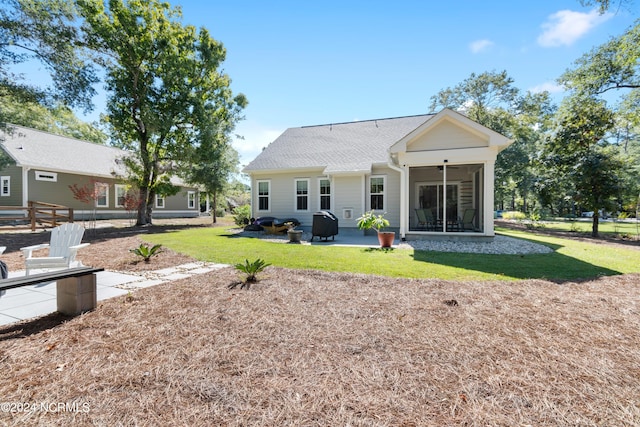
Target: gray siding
(15,196)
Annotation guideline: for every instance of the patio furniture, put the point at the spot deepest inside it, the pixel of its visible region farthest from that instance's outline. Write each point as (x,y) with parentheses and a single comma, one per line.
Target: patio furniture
(466,223)
(63,248)
(425,219)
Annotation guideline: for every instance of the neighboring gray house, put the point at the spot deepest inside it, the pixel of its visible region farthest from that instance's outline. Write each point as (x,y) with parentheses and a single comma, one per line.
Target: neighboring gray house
(46,165)
(427,172)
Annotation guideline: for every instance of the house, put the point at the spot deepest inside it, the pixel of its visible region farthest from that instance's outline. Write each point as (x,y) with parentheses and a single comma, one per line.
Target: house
(47,165)
(432,174)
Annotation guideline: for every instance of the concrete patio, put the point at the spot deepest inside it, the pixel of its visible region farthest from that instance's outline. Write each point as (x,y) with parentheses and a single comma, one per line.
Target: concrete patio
(39,300)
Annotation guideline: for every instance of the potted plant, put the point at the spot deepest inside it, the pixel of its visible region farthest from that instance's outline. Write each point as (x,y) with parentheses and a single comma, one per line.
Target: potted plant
(294,235)
(370,220)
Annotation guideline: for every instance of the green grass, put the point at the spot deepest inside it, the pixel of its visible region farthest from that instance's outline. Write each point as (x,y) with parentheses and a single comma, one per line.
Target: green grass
(570,260)
(604,227)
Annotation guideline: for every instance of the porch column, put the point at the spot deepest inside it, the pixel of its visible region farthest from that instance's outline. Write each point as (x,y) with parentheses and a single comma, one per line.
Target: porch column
(489,189)
(404,200)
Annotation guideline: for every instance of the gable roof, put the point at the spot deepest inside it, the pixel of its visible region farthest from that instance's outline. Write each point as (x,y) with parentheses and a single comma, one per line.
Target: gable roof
(37,149)
(493,139)
(336,148)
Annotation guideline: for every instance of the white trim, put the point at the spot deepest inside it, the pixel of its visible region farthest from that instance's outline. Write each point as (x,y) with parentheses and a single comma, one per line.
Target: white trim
(46,176)
(117,188)
(191,199)
(383,194)
(307,195)
(2,180)
(268,195)
(164,201)
(106,194)
(320,195)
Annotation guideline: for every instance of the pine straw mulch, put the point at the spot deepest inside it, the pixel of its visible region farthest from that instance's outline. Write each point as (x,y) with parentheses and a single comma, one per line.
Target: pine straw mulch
(317,349)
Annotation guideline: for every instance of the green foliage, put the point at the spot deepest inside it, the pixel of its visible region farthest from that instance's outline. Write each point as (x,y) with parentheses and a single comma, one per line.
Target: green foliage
(58,119)
(146,252)
(370,220)
(251,269)
(44,31)
(578,154)
(167,96)
(241,215)
(514,215)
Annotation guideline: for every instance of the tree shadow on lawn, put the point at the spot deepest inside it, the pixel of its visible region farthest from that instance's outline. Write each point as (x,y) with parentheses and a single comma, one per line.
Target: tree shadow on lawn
(552,266)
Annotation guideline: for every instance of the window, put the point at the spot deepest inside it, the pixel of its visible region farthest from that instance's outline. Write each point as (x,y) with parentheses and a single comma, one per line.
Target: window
(102,194)
(263,195)
(159,201)
(5,182)
(46,176)
(302,194)
(377,192)
(325,194)
(121,195)
(191,199)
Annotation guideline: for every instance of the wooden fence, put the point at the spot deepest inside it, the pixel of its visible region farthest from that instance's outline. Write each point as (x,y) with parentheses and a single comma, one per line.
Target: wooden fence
(24,218)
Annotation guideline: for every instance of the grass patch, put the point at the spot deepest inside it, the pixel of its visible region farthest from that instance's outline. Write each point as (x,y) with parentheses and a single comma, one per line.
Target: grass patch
(570,260)
(611,228)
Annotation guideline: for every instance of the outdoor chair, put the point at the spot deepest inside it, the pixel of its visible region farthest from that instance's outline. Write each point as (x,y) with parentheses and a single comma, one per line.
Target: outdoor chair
(425,219)
(466,223)
(63,248)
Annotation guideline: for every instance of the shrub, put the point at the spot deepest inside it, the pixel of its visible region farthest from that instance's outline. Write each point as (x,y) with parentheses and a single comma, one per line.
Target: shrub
(241,215)
(251,269)
(518,216)
(146,252)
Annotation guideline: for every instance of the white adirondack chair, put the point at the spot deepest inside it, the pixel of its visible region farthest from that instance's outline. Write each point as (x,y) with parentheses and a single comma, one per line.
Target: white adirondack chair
(63,247)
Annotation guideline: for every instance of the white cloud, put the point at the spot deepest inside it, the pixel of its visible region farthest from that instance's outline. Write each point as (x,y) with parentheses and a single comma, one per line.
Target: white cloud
(563,28)
(478,46)
(550,87)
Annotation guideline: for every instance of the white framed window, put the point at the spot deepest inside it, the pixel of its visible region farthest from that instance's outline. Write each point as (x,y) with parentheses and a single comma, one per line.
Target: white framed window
(264,195)
(302,194)
(159,201)
(46,176)
(5,186)
(377,185)
(102,194)
(324,192)
(121,195)
(191,199)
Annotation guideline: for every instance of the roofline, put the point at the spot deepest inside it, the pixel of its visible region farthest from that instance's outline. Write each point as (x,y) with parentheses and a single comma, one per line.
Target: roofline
(368,120)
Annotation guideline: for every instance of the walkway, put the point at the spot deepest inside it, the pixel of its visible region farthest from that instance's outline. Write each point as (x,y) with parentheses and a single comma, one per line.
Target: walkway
(39,300)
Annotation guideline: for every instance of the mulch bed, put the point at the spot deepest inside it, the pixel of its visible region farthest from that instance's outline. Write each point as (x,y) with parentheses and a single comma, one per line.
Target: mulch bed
(314,348)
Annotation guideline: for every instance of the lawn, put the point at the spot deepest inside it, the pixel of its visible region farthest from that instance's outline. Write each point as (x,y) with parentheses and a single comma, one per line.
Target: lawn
(628,229)
(571,259)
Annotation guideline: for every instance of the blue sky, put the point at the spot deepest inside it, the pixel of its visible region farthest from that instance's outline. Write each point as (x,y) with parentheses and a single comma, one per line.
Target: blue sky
(305,63)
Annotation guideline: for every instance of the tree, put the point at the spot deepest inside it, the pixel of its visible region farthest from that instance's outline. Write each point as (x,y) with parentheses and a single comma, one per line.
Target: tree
(58,119)
(160,76)
(44,31)
(610,66)
(491,99)
(577,151)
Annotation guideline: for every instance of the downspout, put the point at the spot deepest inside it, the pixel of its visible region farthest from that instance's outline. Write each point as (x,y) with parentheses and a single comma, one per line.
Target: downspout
(25,185)
(403,196)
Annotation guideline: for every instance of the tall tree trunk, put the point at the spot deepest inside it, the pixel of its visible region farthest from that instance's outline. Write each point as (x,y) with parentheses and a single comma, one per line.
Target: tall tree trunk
(144,209)
(594,224)
(213,208)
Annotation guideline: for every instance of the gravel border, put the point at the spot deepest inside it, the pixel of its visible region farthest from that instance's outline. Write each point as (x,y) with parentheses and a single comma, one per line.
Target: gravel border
(501,245)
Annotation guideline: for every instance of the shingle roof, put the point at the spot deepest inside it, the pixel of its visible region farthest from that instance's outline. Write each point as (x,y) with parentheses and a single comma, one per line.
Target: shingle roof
(37,149)
(341,147)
